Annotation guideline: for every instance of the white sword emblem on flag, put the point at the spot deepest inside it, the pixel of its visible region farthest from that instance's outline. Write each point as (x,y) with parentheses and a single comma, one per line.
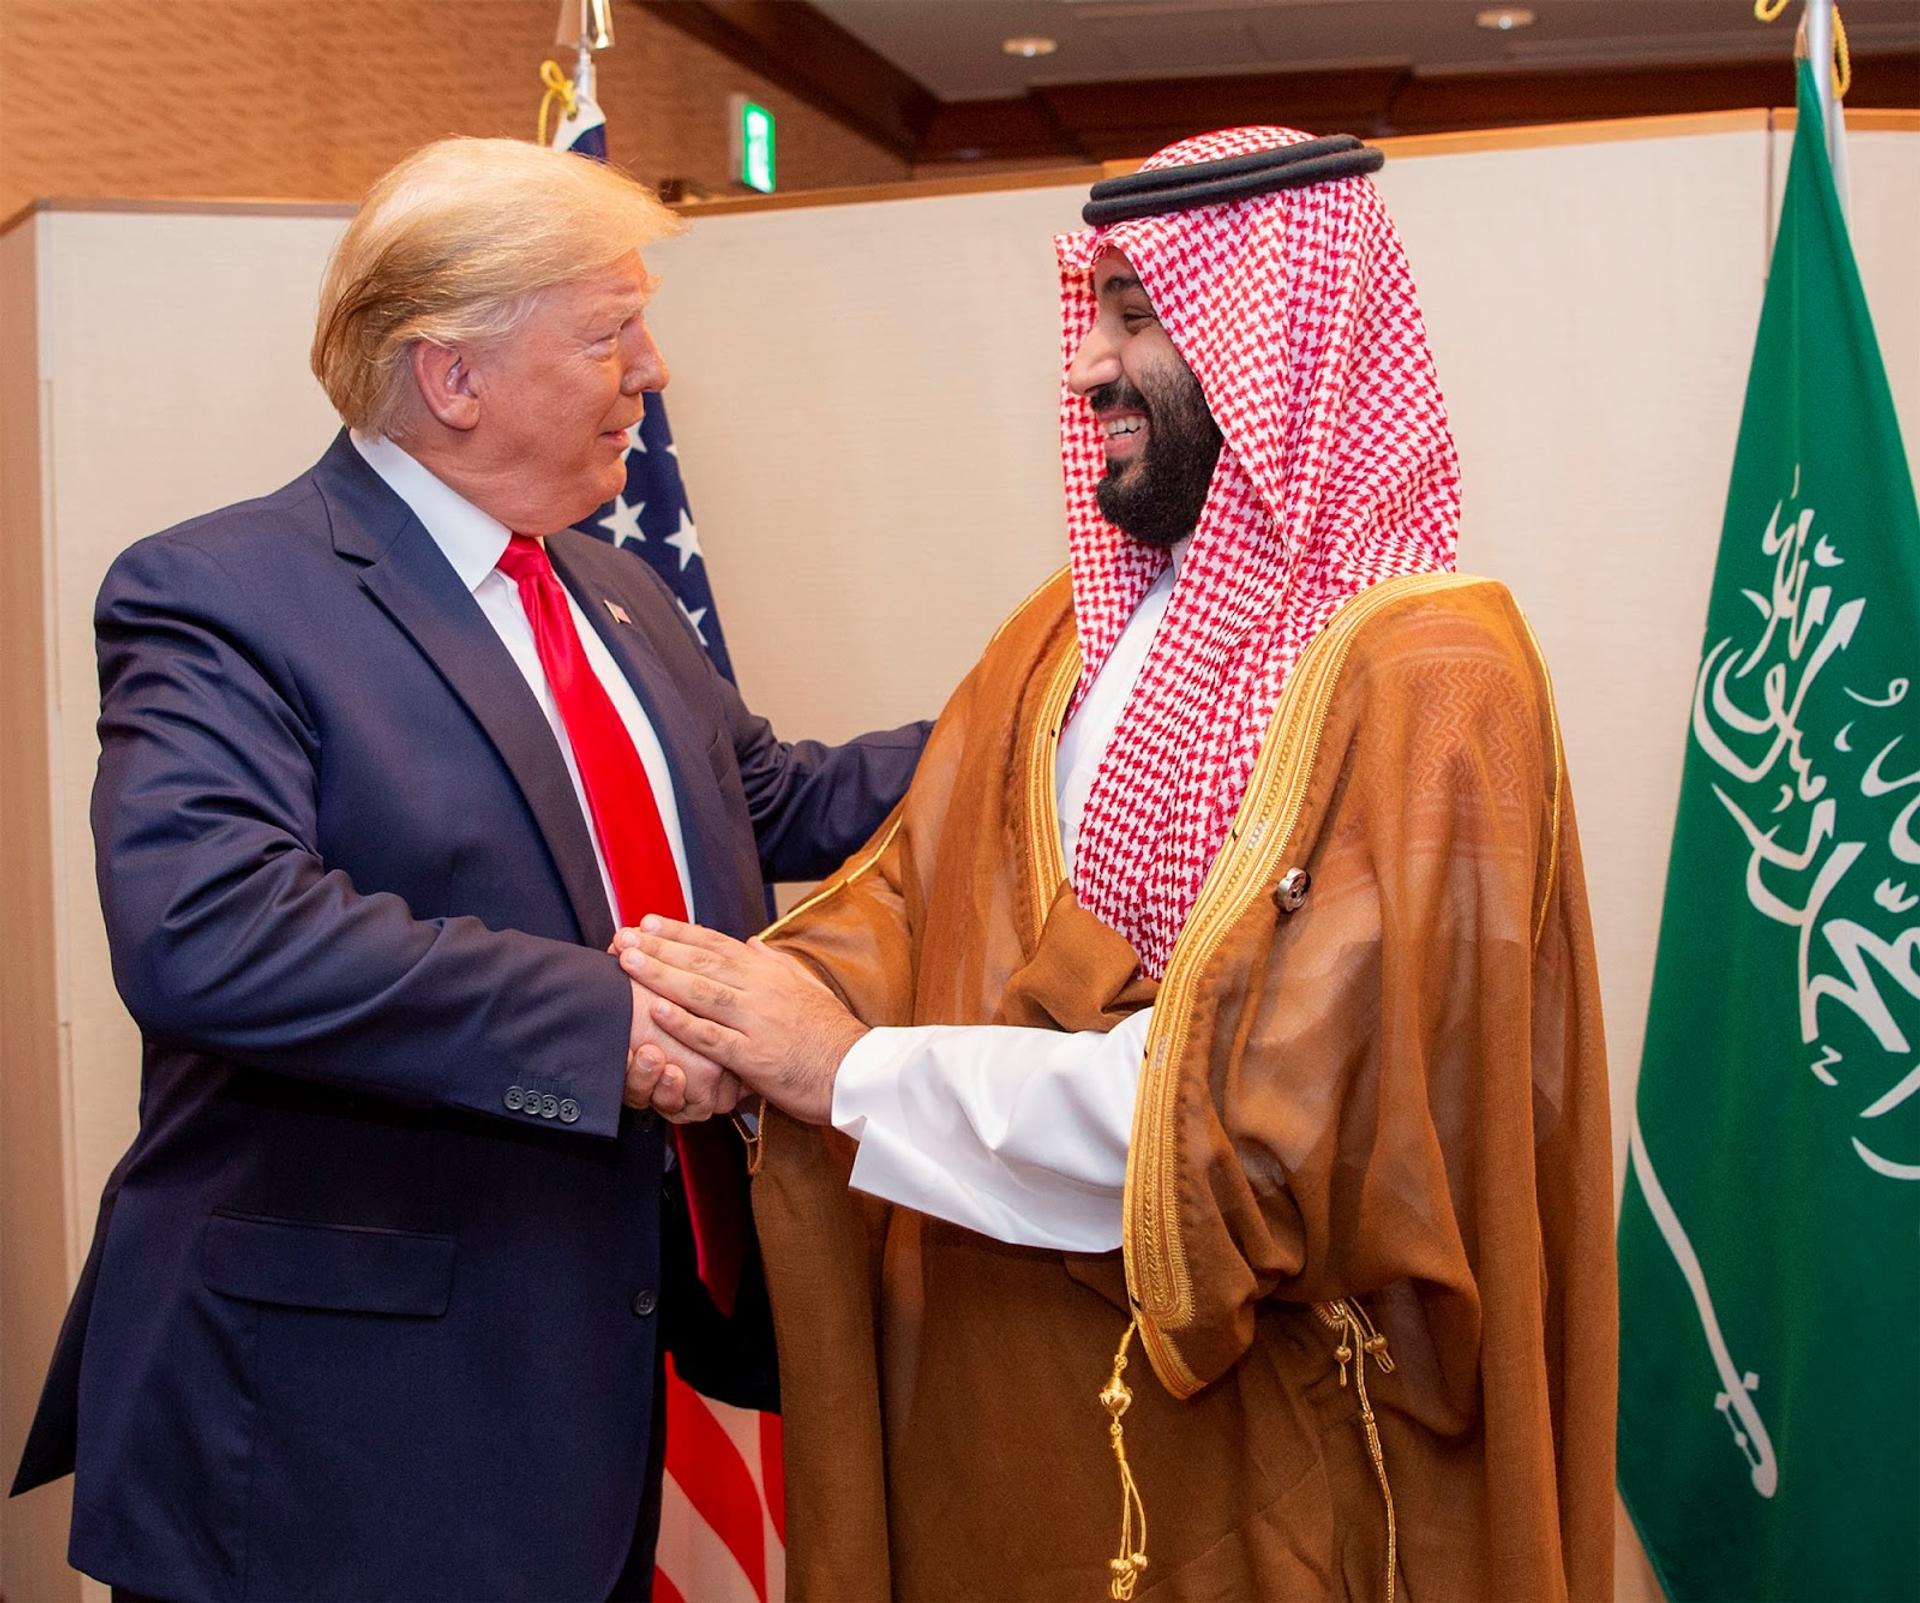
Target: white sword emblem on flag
(1735,1400)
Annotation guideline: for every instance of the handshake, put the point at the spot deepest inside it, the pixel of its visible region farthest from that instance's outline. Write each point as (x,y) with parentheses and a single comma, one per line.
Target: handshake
(715,1019)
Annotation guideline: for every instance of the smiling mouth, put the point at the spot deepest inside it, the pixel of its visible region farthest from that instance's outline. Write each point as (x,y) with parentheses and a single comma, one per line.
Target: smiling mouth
(1124,434)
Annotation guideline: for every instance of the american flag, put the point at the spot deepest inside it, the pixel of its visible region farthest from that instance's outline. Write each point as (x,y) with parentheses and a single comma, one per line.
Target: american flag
(653,519)
(723,1508)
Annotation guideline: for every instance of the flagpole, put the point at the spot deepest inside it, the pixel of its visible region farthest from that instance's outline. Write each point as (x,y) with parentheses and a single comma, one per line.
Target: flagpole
(587,26)
(1819,23)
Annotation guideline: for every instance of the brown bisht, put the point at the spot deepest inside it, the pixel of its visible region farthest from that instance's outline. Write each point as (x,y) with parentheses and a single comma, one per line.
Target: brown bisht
(1374,1099)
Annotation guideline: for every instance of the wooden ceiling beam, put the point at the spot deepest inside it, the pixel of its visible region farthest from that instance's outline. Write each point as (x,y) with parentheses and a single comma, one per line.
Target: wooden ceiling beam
(1114,121)
(999,130)
(808,54)
(1433,105)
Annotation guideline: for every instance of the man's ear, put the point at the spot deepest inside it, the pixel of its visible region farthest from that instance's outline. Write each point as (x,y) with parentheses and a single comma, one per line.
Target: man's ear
(445,383)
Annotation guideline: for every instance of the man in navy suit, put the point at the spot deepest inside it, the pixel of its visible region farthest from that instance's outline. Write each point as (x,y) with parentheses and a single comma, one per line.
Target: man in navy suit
(375,1304)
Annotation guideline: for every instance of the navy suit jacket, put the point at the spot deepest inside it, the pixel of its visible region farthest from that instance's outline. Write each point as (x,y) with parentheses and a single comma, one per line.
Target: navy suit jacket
(358,1321)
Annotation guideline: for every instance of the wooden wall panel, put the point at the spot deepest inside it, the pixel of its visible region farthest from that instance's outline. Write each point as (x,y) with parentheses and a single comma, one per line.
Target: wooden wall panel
(312,99)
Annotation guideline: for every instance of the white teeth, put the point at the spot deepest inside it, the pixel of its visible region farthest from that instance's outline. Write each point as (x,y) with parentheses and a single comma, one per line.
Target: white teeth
(1124,425)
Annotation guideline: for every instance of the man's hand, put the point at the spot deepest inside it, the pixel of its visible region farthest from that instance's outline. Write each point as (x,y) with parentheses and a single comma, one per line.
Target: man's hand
(685,1090)
(745,1008)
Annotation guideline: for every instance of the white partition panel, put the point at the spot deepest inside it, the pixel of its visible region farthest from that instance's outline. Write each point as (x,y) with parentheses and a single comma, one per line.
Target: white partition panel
(865,404)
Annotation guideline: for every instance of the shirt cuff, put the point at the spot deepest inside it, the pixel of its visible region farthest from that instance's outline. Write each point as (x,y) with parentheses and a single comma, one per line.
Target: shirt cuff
(868,1082)
(930,1138)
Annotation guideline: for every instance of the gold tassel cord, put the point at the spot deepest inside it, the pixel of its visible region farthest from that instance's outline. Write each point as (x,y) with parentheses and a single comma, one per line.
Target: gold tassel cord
(753,1131)
(559,87)
(1359,1341)
(1842,67)
(1116,1399)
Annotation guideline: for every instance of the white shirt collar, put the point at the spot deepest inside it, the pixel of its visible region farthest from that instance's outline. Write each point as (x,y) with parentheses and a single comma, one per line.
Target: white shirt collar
(1169,576)
(471,540)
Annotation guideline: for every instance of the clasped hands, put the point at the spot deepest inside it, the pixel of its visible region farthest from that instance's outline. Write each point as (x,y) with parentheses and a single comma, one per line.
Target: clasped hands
(714,1018)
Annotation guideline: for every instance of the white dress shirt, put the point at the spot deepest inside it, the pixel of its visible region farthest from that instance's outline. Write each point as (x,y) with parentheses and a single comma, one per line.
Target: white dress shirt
(1020,1134)
(473,543)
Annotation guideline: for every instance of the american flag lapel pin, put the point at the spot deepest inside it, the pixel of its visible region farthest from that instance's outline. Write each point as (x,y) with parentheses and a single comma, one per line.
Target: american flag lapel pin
(619,612)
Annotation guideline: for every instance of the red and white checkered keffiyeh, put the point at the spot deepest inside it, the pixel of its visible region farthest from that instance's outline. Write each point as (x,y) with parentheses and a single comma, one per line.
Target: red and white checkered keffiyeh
(1296,313)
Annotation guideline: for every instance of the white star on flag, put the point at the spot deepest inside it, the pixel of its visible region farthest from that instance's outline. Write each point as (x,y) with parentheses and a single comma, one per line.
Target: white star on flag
(651,519)
(686,540)
(623,523)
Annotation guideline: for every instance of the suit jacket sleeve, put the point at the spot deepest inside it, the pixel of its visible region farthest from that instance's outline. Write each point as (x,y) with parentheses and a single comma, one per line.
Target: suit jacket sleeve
(813,805)
(229,932)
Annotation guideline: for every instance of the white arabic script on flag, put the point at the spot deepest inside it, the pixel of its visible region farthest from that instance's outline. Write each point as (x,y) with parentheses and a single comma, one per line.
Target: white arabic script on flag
(1753,730)
(1841,960)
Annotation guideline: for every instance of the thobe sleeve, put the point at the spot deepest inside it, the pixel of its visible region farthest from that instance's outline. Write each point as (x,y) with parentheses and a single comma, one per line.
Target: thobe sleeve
(1019,1134)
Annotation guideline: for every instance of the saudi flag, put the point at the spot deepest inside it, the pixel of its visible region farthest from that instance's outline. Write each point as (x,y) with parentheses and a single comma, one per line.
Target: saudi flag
(1770,1236)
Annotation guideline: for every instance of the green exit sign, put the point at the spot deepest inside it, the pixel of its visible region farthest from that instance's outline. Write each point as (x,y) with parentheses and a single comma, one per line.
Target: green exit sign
(753,145)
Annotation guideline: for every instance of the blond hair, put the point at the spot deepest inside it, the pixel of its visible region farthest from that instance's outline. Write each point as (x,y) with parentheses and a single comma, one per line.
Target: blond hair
(450,246)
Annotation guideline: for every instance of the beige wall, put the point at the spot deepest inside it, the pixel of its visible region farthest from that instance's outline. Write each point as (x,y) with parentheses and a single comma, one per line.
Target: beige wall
(311,99)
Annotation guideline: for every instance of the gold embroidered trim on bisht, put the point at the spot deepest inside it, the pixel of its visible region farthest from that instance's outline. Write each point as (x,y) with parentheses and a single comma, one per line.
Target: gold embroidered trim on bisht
(1158,1280)
(1558,757)
(1043,806)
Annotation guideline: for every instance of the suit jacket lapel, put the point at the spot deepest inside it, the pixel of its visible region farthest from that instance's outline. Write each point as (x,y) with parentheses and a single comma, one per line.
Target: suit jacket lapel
(416,585)
(682,736)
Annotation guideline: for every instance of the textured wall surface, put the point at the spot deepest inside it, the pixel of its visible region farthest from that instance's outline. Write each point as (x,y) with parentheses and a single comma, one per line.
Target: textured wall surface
(311,99)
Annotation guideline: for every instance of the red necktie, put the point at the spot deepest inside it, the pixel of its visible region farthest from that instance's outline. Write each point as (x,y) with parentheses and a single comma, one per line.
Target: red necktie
(626,820)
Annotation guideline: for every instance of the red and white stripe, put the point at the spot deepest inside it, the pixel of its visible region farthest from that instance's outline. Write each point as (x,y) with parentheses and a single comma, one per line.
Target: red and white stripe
(723,1508)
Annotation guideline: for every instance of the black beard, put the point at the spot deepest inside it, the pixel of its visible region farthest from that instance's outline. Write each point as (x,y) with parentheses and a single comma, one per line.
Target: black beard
(1156,499)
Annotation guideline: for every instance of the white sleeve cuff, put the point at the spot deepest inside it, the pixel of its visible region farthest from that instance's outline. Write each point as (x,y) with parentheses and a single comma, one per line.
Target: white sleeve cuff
(1020,1134)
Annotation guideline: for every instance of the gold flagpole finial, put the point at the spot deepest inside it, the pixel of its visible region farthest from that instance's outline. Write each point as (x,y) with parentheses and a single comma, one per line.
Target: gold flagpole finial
(585,25)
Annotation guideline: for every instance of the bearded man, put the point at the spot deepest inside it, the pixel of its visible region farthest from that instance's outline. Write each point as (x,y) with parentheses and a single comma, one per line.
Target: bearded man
(1225,978)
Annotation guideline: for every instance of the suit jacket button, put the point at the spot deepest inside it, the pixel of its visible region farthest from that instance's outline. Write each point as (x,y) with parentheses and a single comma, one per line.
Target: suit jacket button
(549,1106)
(516,1099)
(644,1303)
(569,1111)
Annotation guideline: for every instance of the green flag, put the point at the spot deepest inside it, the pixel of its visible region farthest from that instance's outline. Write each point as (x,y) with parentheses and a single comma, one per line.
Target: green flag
(1770,1235)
